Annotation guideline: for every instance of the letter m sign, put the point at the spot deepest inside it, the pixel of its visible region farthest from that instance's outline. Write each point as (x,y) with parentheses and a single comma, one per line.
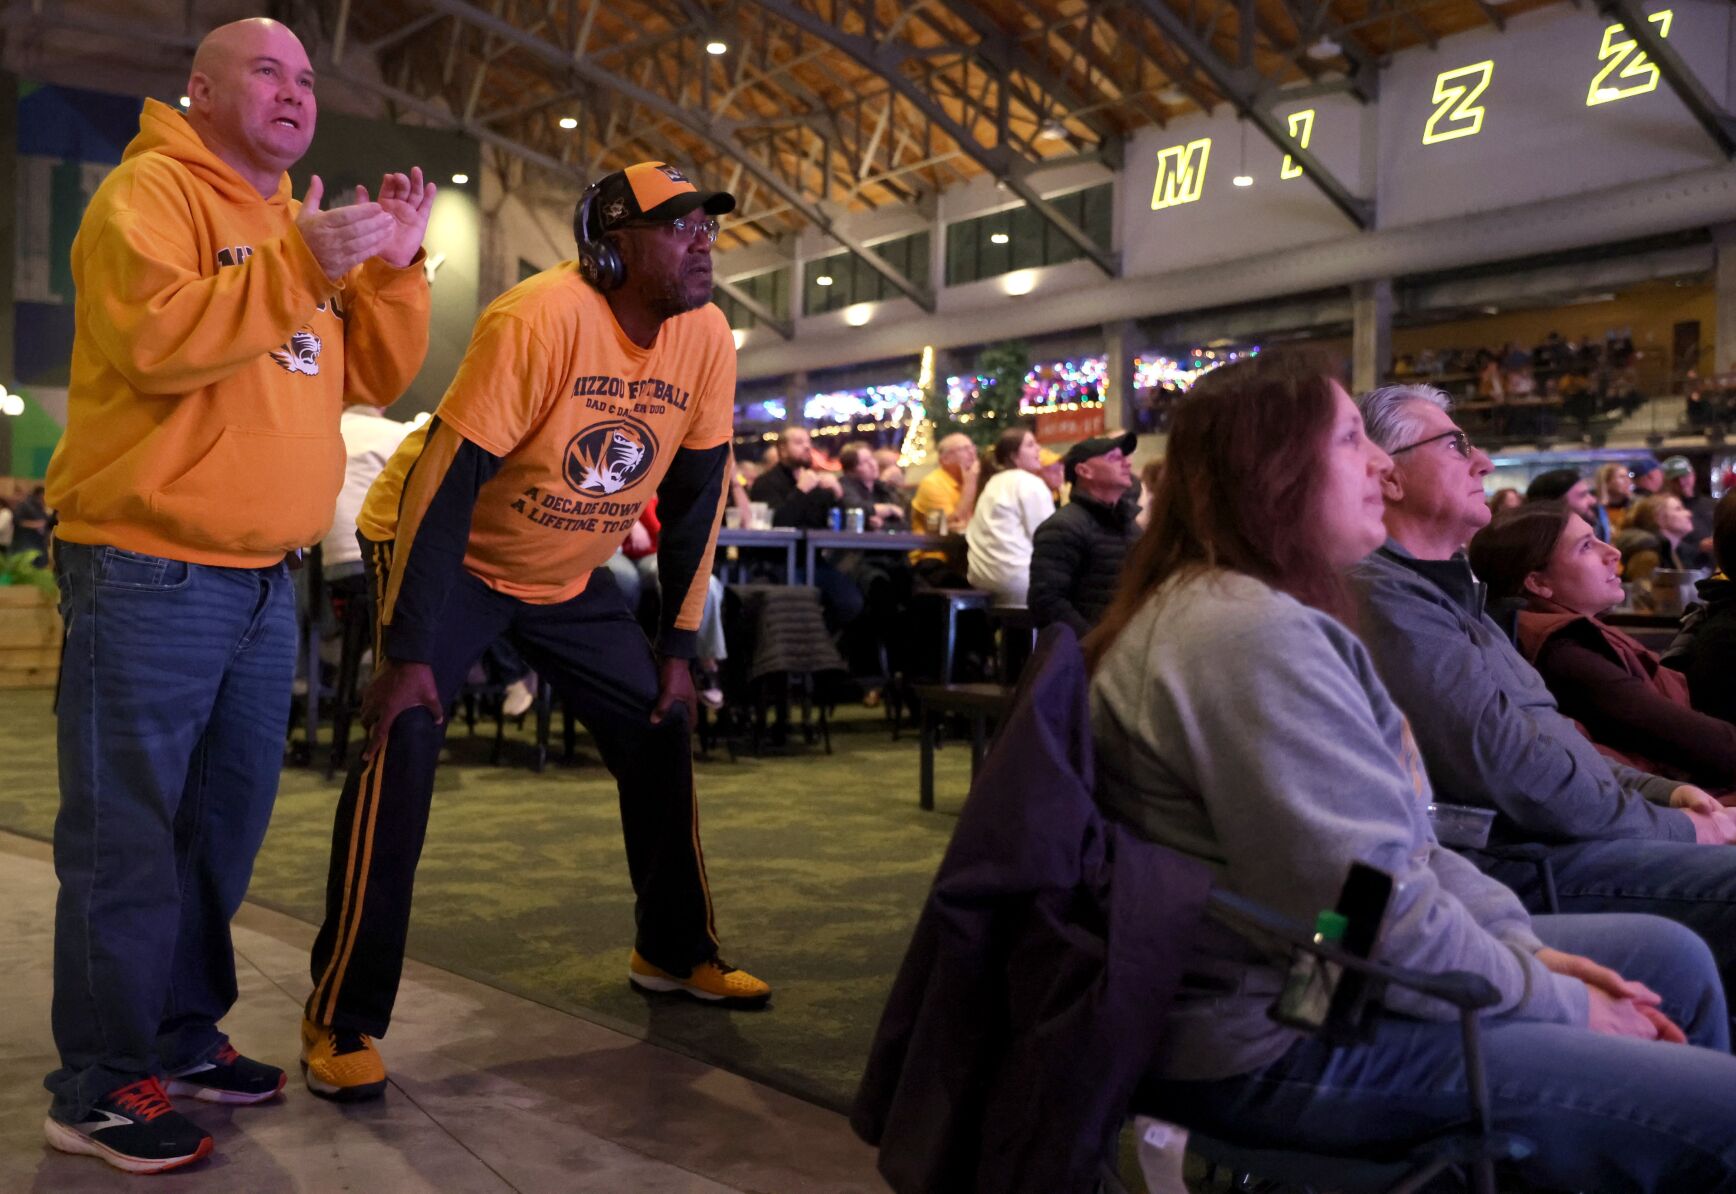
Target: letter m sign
(1181,174)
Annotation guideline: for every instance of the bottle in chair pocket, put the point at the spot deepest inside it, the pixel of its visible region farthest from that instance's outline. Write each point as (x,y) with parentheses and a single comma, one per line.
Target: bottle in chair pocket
(1312,981)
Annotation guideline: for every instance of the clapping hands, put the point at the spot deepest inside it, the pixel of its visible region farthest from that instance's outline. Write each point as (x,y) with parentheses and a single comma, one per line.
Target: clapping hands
(391,227)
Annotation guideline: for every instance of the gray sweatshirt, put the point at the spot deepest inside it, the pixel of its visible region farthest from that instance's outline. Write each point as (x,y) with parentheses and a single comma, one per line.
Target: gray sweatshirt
(1488,727)
(1239,726)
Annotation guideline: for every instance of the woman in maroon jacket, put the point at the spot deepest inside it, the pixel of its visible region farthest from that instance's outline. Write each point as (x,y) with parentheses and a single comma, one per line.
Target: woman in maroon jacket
(1547,557)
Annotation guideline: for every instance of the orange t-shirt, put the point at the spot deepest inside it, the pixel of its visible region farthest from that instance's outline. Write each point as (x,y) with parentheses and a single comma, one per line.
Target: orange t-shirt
(586,423)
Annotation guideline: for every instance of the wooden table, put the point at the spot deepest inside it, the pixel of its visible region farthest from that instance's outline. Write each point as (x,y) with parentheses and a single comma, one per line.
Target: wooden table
(784,539)
(873,541)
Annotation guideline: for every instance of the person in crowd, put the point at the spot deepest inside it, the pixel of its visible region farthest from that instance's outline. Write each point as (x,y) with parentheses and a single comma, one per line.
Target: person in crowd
(1150,477)
(880,504)
(31,521)
(943,502)
(1648,476)
(1505,499)
(201,455)
(1052,467)
(802,495)
(496,518)
(1076,555)
(1014,503)
(634,566)
(1704,650)
(799,494)
(950,489)
(1681,482)
(1614,492)
(1653,537)
(1547,557)
(370,438)
(1618,838)
(1238,719)
(1565,485)
(5,524)
(891,471)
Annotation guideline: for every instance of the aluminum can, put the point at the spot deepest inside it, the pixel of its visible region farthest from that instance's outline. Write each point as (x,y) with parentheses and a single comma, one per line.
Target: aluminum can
(856,520)
(835,518)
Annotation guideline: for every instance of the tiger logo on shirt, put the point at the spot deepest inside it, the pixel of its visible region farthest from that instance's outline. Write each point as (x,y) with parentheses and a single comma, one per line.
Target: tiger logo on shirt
(301,354)
(608,457)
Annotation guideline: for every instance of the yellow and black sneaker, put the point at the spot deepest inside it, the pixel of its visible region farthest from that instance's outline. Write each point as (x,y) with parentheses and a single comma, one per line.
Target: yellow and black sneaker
(712,981)
(340,1065)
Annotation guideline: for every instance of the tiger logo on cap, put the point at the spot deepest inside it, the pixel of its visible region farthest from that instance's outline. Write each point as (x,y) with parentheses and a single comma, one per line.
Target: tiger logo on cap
(609,457)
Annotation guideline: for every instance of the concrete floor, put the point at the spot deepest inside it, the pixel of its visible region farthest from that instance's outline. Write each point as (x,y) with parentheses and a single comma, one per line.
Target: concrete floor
(489,1092)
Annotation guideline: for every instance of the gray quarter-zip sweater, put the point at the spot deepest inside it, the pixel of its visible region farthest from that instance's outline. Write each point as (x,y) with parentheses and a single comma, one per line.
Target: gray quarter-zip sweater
(1236,725)
(1489,729)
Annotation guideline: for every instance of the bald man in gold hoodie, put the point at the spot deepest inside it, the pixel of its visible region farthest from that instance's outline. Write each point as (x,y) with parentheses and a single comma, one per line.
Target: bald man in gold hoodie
(220,327)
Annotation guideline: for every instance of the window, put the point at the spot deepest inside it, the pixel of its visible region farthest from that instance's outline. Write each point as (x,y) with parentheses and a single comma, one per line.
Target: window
(854,281)
(771,289)
(1019,238)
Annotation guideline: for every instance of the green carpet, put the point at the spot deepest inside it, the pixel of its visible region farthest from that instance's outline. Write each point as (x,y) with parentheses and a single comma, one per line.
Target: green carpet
(818,868)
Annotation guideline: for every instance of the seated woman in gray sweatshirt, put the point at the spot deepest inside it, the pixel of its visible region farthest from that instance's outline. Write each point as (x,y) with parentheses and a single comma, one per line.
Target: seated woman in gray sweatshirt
(1238,719)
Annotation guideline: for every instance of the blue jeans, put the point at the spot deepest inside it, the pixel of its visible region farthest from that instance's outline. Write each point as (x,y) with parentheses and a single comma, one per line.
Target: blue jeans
(174,702)
(1691,884)
(1606,1113)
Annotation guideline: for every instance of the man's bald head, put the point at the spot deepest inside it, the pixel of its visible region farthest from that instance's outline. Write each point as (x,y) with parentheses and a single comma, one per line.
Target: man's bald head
(955,452)
(251,98)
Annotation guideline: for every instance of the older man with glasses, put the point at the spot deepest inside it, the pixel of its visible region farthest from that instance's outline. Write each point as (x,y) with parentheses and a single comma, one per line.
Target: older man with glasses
(1617,839)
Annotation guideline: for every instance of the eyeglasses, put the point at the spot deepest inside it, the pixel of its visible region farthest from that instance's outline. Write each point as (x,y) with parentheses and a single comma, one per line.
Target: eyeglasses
(1461,443)
(686,228)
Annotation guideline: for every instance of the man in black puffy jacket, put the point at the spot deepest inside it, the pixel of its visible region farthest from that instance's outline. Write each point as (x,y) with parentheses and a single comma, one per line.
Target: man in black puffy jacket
(1077,553)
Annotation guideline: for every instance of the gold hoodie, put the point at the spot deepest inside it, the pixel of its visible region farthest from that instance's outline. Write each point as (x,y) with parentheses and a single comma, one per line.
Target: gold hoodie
(211,359)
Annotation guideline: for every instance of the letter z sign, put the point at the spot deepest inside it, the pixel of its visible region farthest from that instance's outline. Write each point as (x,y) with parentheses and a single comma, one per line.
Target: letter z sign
(1457,113)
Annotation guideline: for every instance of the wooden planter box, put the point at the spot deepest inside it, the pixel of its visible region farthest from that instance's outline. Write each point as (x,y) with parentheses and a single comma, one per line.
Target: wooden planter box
(29,638)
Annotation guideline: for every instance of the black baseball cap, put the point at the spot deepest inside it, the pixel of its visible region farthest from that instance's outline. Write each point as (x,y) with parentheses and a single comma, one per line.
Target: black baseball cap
(652,191)
(1547,487)
(1089,449)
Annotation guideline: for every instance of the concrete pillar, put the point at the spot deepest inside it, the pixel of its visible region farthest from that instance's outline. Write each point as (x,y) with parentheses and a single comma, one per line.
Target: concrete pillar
(1120,343)
(1371,333)
(1723,331)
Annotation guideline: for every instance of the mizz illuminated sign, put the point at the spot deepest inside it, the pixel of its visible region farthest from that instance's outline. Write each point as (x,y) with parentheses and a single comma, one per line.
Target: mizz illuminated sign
(1302,132)
(1638,74)
(1181,174)
(1458,113)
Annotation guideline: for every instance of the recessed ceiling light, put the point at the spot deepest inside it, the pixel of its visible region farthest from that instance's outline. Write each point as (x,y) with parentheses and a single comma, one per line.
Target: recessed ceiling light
(1243,180)
(859,314)
(999,238)
(1323,49)
(569,122)
(823,280)
(185,102)
(1052,130)
(715,48)
(1020,281)
(1172,95)
(461,179)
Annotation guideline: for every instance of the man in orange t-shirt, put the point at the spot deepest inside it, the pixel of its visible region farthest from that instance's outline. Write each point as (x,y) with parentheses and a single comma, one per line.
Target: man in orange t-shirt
(587,390)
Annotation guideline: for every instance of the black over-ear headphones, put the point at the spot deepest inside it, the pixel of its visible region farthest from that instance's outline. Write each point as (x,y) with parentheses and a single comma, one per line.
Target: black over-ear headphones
(599,261)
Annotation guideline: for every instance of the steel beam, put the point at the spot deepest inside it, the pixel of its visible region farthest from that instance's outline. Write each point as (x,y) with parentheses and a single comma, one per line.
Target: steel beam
(998,47)
(1231,84)
(718,132)
(1707,111)
(998,160)
(783,327)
